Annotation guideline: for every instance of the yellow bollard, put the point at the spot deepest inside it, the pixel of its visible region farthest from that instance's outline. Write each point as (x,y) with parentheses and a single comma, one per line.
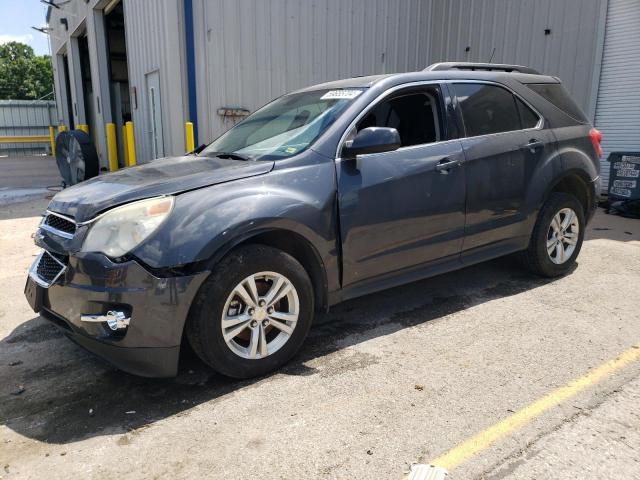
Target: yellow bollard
(125,148)
(52,139)
(62,128)
(189,139)
(84,128)
(131,145)
(112,146)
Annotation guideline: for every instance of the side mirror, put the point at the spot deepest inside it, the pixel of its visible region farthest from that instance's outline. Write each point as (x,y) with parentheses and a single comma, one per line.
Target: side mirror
(372,140)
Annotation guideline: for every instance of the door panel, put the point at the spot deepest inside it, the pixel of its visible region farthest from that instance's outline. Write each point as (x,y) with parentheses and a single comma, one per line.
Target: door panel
(503,148)
(397,211)
(496,174)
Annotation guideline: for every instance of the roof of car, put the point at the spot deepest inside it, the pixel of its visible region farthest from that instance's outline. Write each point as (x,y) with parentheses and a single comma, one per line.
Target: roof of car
(426,75)
(353,82)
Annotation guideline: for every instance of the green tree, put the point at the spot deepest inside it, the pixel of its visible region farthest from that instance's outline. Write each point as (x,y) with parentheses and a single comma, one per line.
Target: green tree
(24,75)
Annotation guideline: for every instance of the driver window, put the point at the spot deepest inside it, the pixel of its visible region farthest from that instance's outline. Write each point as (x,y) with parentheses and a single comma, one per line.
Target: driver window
(416,116)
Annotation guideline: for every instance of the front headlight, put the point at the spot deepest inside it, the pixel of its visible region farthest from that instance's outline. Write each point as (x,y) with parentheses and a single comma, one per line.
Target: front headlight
(120,230)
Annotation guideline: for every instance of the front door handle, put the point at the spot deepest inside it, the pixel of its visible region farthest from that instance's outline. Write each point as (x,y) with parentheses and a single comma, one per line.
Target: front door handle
(446,164)
(533,145)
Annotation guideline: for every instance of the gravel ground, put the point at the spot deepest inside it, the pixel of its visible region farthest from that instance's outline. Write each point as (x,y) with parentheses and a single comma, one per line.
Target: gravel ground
(383,381)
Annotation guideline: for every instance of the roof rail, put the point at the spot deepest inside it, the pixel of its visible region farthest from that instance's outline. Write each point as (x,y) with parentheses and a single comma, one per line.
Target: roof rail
(489,67)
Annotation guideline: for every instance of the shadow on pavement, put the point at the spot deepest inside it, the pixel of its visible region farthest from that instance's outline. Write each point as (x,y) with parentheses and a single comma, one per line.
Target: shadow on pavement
(70,395)
(613,227)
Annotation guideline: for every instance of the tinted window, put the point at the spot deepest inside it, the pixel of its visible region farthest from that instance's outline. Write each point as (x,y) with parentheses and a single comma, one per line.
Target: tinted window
(556,94)
(416,116)
(486,109)
(528,117)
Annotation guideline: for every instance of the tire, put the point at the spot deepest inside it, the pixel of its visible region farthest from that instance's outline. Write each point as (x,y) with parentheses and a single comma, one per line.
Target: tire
(236,358)
(536,257)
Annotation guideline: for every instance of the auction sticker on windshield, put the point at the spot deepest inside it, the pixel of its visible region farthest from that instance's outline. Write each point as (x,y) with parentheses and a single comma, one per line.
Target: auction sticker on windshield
(340,94)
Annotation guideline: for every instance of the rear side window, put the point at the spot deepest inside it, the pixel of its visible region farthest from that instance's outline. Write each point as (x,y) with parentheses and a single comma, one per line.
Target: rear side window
(528,117)
(487,109)
(556,94)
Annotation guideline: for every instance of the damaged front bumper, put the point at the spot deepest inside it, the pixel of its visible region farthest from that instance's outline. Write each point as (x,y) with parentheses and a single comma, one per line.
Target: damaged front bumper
(119,311)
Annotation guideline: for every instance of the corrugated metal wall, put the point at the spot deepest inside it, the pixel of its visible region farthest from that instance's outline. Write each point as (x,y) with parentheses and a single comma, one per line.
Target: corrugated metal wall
(26,117)
(618,107)
(507,31)
(248,52)
(155,42)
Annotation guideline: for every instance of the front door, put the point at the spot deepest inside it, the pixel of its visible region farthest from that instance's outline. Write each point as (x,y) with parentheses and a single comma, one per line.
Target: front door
(402,209)
(155,114)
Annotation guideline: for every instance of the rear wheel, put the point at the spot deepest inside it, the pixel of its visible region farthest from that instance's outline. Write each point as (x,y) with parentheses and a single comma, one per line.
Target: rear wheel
(557,236)
(253,313)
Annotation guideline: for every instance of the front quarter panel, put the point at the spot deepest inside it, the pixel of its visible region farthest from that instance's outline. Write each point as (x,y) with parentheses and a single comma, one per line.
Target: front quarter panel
(297,196)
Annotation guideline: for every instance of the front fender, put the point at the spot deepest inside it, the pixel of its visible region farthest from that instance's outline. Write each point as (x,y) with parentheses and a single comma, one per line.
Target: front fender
(207,221)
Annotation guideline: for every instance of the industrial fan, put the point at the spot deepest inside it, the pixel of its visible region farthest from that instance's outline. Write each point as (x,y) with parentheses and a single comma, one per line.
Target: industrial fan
(76,157)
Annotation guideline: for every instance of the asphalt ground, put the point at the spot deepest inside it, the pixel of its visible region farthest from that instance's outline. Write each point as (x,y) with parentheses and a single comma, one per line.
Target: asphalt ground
(453,367)
(24,177)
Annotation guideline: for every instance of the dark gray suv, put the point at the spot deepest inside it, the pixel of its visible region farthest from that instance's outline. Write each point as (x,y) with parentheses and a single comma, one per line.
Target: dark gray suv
(324,194)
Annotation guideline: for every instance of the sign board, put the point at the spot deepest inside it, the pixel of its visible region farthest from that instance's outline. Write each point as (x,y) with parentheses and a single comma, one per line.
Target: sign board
(624,175)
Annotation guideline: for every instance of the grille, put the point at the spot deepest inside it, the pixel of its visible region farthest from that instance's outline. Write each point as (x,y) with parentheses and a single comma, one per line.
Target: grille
(59,223)
(50,266)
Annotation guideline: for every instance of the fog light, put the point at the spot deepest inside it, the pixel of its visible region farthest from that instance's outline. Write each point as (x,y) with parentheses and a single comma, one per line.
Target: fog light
(115,319)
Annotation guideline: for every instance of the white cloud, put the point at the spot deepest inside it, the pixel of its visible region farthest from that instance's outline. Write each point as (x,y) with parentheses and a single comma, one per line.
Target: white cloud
(28,38)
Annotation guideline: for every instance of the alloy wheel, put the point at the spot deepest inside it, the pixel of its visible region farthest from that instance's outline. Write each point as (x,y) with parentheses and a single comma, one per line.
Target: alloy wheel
(260,315)
(562,236)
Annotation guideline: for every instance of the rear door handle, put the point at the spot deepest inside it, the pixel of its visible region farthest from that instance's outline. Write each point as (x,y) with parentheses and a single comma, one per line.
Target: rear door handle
(446,164)
(533,145)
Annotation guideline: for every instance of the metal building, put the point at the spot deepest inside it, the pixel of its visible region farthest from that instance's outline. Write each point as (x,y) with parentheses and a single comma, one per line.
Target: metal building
(161,63)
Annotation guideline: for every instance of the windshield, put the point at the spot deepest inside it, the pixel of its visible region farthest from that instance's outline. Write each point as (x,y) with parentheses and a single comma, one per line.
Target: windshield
(284,127)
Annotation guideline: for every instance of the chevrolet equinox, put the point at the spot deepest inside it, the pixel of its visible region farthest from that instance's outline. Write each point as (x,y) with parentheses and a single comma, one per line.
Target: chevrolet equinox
(327,193)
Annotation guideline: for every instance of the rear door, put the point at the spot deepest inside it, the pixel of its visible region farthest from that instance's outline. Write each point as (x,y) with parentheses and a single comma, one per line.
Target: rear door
(402,209)
(503,144)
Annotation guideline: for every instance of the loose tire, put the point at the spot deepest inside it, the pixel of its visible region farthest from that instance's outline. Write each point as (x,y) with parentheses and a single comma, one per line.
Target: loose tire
(253,312)
(557,236)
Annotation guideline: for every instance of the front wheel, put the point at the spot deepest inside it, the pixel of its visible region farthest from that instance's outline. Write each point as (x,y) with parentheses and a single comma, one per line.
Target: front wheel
(557,236)
(253,313)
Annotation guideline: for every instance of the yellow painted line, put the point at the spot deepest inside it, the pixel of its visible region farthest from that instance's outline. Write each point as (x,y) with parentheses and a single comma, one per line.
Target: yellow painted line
(483,440)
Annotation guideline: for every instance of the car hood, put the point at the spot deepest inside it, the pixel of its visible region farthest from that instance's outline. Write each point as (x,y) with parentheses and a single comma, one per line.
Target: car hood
(166,176)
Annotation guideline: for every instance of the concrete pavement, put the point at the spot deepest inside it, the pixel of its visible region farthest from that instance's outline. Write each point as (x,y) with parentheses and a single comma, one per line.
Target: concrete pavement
(23,178)
(382,382)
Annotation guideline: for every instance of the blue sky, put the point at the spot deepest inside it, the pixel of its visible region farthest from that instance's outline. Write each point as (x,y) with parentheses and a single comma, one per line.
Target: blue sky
(16,19)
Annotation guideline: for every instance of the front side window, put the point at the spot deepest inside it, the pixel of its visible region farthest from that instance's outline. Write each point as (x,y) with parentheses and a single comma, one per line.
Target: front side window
(416,115)
(487,109)
(284,127)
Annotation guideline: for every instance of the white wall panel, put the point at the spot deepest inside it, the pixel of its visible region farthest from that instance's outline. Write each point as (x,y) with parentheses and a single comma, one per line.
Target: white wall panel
(618,107)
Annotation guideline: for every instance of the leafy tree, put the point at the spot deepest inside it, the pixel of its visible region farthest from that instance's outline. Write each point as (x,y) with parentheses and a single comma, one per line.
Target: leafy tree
(23,75)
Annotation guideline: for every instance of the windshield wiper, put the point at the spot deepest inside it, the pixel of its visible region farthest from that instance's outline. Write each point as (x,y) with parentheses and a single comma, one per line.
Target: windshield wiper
(231,155)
